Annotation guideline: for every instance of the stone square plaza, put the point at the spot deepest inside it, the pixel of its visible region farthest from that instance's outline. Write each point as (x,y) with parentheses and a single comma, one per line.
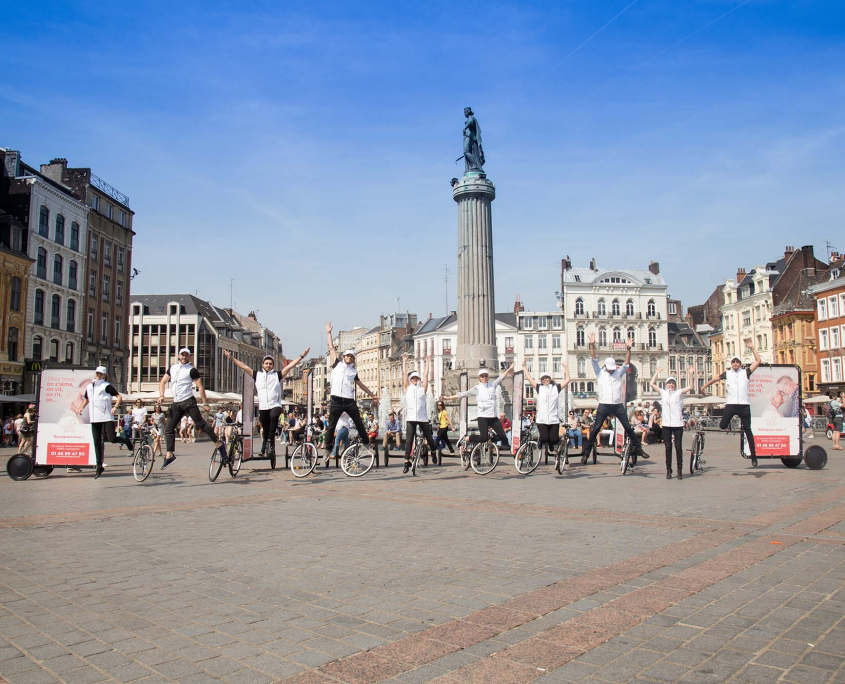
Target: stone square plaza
(732,575)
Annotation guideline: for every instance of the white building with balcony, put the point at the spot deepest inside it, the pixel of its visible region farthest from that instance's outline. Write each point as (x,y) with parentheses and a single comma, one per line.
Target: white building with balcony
(58,236)
(614,305)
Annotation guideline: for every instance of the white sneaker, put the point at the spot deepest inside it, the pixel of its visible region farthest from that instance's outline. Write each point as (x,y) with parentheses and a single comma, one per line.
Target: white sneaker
(810,436)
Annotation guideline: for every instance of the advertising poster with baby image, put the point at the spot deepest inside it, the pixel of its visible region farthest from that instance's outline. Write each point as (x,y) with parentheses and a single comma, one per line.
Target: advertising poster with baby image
(775,396)
(64,437)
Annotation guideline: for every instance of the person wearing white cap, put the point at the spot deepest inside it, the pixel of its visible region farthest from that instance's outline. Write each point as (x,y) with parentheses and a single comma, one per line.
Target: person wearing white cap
(182,376)
(416,408)
(672,399)
(268,386)
(98,398)
(611,401)
(547,394)
(485,400)
(343,381)
(736,401)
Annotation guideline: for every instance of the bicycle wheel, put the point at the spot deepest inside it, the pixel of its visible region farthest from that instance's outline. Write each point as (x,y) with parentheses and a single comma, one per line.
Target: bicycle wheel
(416,454)
(215,465)
(357,460)
(142,464)
(303,461)
(693,458)
(527,458)
(235,459)
(463,450)
(562,461)
(484,457)
(626,456)
(42,470)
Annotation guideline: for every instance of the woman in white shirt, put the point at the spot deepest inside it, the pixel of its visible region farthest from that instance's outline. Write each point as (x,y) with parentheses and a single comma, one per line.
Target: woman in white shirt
(672,399)
(416,409)
(485,400)
(547,394)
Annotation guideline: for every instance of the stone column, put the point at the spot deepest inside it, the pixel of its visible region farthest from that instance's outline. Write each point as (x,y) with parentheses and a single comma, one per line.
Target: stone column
(476,302)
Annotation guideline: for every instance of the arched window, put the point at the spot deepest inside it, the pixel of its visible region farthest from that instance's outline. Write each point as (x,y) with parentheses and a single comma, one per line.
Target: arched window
(602,308)
(69,352)
(591,387)
(38,318)
(54,351)
(652,338)
(37,348)
(615,308)
(60,229)
(629,307)
(631,334)
(57,269)
(55,313)
(15,294)
(602,337)
(582,367)
(652,309)
(70,323)
(617,334)
(44,222)
(72,271)
(579,307)
(74,236)
(12,344)
(41,264)
(652,365)
(579,337)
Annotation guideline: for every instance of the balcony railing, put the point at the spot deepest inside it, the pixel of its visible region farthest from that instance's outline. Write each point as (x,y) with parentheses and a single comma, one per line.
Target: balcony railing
(508,350)
(447,351)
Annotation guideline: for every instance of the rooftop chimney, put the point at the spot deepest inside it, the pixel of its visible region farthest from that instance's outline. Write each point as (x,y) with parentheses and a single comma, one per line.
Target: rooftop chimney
(251,316)
(517,305)
(809,259)
(654,267)
(788,252)
(740,274)
(593,264)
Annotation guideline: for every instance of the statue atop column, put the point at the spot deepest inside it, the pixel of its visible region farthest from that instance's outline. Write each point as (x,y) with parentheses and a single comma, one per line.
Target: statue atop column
(473,151)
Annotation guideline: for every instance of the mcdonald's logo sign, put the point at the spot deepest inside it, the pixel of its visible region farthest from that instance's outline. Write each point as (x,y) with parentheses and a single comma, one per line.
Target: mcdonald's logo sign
(33,366)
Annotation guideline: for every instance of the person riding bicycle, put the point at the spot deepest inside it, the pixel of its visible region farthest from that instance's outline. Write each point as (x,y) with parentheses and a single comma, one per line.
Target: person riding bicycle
(416,408)
(547,394)
(343,380)
(101,412)
(672,399)
(485,399)
(268,386)
(611,401)
(182,376)
(736,385)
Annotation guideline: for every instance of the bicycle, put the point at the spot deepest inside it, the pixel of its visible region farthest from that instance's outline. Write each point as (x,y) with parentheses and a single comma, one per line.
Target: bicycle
(419,452)
(484,457)
(236,448)
(463,451)
(304,459)
(143,457)
(528,455)
(357,459)
(562,455)
(218,461)
(695,461)
(625,456)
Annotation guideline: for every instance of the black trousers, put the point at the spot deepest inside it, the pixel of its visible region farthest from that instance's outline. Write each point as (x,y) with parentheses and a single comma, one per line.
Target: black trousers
(549,434)
(425,428)
(484,426)
(337,407)
(102,433)
(443,439)
(269,420)
(674,435)
(744,413)
(185,408)
(603,412)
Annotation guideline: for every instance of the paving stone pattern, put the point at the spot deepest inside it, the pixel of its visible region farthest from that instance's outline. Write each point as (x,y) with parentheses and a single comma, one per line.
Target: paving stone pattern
(733,575)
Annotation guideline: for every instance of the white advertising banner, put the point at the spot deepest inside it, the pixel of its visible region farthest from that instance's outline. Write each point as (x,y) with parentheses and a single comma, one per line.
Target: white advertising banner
(248,416)
(516,416)
(64,437)
(774,393)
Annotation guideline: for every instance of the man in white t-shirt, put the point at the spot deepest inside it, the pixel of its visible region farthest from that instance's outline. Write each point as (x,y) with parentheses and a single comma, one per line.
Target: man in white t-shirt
(736,399)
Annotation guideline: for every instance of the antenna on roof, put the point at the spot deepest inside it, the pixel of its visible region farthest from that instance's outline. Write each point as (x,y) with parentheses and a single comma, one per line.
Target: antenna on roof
(830,247)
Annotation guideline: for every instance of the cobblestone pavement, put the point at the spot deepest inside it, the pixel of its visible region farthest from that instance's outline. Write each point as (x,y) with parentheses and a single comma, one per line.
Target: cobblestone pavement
(734,575)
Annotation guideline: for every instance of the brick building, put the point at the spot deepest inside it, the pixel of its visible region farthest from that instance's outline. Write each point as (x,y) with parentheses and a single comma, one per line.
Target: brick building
(14,281)
(829,308)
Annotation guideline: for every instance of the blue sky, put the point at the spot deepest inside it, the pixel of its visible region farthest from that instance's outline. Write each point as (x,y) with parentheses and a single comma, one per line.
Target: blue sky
(305,149)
